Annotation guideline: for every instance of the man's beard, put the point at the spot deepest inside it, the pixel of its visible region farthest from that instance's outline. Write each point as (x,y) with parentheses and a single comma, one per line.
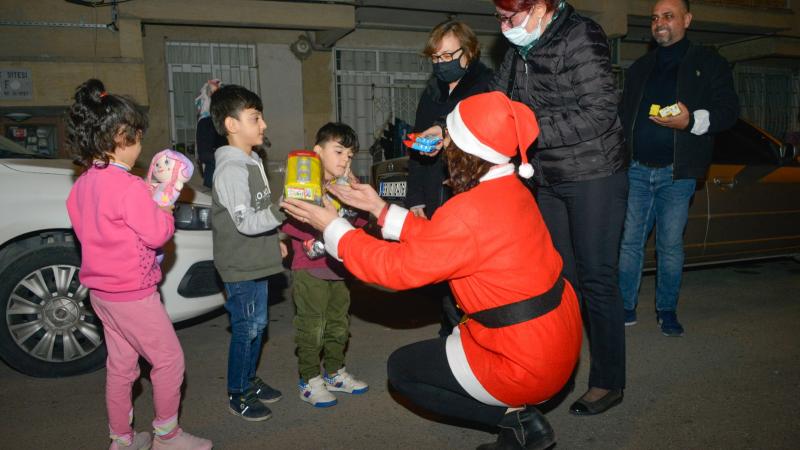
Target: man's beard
(663,39)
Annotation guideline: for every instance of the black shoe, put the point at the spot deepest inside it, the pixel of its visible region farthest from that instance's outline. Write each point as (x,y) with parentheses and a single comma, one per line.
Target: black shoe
(525,429)
(247,406)
(583,408)
(265,392)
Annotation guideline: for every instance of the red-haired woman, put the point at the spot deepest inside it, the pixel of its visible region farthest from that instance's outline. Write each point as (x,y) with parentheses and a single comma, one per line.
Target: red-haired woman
(559,65)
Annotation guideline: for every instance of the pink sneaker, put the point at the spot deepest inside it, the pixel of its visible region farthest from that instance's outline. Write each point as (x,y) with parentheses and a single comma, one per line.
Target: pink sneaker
(183,441)
(141,441)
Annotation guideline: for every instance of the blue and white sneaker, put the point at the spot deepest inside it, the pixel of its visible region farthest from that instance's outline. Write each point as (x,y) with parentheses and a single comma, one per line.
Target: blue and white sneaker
(344,382)
(316,393)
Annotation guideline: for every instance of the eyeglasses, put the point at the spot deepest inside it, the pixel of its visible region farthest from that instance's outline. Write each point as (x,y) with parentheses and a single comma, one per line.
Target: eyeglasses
(506,19)
(446,56)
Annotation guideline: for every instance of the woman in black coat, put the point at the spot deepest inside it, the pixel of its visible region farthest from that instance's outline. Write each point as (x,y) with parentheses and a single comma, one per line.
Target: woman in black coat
(457,74)
(559,65)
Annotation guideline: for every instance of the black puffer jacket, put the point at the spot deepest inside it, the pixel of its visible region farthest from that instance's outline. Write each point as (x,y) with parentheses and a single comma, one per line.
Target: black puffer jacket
(426,174)
(566,79)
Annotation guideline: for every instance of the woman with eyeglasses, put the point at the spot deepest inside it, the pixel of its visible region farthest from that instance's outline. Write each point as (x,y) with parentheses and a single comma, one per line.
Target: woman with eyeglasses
(559,65)
(457,74)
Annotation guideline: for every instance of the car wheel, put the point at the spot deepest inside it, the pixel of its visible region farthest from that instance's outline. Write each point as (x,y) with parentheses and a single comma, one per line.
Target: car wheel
(48,327)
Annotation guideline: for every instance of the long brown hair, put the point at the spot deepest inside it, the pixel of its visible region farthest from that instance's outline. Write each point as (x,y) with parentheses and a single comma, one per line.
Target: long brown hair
(465,169)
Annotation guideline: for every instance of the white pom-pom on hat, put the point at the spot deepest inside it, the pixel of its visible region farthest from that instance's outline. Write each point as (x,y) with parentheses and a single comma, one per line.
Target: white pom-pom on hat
(525,170)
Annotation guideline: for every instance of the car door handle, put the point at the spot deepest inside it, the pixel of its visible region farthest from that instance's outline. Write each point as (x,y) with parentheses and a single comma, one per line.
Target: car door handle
(725,184)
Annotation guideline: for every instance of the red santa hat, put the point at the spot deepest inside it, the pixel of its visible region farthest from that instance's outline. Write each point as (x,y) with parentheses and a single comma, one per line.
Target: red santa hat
(494,128)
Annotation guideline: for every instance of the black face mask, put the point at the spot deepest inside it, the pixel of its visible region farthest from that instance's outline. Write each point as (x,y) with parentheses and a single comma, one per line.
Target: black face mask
(449,71)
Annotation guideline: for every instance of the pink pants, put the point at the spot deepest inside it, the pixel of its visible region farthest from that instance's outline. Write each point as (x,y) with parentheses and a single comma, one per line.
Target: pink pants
(133,328)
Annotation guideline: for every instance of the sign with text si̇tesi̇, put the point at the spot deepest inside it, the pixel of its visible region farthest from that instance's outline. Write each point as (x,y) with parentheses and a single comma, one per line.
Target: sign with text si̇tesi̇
(16,84)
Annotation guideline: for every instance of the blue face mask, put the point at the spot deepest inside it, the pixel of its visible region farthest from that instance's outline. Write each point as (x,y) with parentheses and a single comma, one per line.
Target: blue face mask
(520,37)
(449,71)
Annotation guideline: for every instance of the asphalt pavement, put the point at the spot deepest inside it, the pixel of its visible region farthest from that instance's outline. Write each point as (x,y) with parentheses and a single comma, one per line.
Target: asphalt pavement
(732,382)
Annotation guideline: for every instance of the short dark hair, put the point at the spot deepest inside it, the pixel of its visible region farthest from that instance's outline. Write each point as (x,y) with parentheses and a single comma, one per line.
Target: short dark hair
(229,101)
(99,121)
(686,4)
(339,132)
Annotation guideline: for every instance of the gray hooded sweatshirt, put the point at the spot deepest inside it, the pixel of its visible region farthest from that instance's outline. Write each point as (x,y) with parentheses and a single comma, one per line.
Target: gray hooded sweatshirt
(244,221)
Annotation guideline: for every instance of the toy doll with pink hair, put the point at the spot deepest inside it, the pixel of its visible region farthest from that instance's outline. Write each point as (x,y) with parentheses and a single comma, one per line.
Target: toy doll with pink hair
(169,170)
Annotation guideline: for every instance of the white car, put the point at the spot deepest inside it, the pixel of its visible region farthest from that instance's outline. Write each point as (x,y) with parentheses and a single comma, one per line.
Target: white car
(48,327)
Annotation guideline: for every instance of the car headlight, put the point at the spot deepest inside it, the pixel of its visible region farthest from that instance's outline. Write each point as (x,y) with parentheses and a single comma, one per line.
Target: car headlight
(192,217)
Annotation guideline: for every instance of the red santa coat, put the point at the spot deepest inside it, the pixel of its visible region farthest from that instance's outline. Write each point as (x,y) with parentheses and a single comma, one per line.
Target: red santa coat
(491,243)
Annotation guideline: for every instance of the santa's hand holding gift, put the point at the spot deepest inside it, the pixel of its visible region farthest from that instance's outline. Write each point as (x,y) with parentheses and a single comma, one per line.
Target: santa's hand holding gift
(521,335)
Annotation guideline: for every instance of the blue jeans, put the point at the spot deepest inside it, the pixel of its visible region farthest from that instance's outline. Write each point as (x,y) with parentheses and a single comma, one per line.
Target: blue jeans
(654,198)
(247,306)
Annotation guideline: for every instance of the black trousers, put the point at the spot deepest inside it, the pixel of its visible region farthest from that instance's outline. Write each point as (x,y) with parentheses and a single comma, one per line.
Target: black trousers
(420,372)
(585,220)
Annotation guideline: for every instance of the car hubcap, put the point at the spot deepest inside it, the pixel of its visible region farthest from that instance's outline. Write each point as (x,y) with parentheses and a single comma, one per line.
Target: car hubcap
(49,315)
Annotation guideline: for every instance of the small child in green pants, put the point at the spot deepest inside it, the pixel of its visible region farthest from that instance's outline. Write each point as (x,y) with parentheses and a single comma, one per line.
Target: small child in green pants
(321,297)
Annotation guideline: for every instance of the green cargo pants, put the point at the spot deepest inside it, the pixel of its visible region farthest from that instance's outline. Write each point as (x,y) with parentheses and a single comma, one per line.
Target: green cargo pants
(321,322)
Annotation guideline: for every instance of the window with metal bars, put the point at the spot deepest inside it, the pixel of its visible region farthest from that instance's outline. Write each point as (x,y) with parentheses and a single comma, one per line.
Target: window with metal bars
(192,64)
(769,97)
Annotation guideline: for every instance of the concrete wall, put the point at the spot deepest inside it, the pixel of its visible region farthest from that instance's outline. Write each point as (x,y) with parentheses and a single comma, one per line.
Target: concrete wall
(131,60)
(273,86)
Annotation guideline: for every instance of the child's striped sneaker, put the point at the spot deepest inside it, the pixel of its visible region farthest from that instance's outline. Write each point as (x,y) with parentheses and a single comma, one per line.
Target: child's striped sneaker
(316,393)
(342,381)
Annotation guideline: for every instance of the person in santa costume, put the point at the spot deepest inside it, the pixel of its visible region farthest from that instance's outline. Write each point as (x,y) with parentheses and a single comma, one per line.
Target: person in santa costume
(521,334)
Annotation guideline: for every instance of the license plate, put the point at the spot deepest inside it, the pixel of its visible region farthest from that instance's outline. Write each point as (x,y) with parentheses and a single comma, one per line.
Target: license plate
(393,189)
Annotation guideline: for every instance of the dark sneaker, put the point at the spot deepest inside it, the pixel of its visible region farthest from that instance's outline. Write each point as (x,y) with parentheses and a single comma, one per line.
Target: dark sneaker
(630,317)
(668,321)
(265,392)
(247,406)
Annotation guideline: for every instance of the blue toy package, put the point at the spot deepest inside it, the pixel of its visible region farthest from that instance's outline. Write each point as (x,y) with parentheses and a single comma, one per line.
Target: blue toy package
(424,144)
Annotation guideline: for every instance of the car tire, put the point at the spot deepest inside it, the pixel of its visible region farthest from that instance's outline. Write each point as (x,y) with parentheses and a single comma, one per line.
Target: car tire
(48,328)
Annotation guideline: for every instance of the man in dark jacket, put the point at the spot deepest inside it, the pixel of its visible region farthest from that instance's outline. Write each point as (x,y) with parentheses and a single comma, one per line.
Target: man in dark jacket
(669,154)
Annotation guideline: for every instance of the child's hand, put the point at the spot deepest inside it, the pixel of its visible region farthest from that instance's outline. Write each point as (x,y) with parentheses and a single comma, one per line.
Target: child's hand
(284,249)
(168,208)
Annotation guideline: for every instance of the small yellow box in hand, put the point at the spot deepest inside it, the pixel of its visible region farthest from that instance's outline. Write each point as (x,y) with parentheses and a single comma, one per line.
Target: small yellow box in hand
(670,111)
(654,109)
(303,177)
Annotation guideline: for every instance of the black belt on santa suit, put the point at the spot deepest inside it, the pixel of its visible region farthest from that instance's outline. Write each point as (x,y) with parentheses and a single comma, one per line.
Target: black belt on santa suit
(521,311)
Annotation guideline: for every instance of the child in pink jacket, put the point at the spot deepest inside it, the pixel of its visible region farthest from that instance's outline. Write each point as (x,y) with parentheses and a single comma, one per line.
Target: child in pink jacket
(119,227)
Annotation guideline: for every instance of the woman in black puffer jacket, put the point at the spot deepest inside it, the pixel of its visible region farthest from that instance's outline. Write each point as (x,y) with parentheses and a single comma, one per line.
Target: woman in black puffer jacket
(458,73)
(559,65)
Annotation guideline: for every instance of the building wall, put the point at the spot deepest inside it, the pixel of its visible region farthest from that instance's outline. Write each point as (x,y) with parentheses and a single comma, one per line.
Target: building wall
(132,59)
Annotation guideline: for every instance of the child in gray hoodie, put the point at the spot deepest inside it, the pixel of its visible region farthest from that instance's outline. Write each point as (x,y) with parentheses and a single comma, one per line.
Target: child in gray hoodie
(246,246)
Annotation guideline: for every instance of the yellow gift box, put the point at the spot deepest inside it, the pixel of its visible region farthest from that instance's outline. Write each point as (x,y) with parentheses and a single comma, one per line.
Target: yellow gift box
(303,177)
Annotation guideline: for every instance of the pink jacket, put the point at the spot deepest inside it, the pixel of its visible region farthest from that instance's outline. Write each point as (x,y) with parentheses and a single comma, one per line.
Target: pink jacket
(119,227)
